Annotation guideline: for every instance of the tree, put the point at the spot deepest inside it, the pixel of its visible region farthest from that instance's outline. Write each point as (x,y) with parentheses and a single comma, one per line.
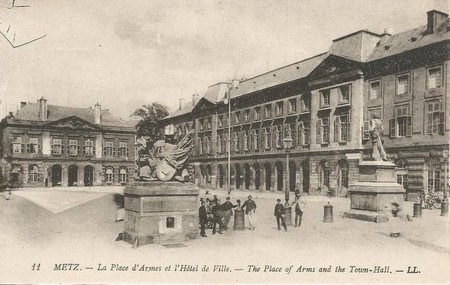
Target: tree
(150,123)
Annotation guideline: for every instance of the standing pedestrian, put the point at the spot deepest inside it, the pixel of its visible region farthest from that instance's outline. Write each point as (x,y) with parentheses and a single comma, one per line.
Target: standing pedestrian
(394,219)
(250,210)
(203,216)
(279,214)
(217,219)
(297,191)
(299,207)
(227,209)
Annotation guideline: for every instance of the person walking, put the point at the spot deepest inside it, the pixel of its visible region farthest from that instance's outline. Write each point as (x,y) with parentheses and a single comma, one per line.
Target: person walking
(250,210)
(299,207)
(227,209)
(203,216)
(217,217)
(279,214)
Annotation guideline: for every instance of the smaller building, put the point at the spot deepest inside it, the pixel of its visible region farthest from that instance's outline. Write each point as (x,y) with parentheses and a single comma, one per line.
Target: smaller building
(49,145)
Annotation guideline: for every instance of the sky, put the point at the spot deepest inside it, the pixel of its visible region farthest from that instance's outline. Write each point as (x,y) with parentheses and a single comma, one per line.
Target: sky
(124,54)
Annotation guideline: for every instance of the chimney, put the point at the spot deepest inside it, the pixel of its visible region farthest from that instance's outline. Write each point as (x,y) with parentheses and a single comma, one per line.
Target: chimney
(435,19)
(42,109)
(97,113)
(194,99)
(22,104)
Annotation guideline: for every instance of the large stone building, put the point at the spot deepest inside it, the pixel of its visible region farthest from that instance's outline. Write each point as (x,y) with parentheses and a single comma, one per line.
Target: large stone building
(64,146)
(325,103)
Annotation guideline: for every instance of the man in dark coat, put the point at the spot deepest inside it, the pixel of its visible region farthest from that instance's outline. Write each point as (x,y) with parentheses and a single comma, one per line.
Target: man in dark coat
(250,209)
(217,217)
(227,209)
(279,214)
(203,216)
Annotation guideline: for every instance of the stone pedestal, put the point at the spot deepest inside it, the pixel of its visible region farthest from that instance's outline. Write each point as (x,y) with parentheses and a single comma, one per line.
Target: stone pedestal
(160,212)
(371,197)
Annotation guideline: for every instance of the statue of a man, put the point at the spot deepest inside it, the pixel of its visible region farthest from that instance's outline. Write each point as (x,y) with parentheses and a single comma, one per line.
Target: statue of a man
(376,132)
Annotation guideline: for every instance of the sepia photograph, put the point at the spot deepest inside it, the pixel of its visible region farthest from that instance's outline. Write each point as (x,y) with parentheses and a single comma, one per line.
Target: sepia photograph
(224,141)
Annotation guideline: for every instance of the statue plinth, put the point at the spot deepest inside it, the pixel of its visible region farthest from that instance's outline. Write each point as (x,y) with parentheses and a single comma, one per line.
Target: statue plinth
(160,212)
(371,197)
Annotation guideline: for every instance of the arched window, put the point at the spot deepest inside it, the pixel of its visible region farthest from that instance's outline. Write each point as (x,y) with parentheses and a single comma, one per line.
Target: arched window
(342,174)
(324,174)
(123,175)
(33,173)
(109,175)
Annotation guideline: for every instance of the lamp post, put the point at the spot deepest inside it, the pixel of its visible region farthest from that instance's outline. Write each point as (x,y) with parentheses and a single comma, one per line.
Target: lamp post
(444,203)
(287,145)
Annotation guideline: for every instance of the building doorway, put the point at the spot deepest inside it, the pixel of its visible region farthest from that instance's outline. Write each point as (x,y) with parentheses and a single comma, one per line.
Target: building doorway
(279,173)
(305,176)
(247,176)
(221,175)
(292,177)
(238,176)
(56,175)
(73,175)
(88,175)
(268,176)
(257,179)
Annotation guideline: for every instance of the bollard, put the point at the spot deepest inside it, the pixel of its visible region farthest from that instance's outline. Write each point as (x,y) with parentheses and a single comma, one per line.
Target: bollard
(328,213)
(239,220)
(444,207)
(417,210)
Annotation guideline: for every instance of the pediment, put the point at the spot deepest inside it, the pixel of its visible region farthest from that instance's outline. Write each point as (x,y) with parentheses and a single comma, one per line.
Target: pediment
(73,123)
(334,65)
(203,104)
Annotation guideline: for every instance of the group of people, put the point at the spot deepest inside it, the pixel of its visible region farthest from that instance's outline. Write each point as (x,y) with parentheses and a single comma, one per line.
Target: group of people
(218,214)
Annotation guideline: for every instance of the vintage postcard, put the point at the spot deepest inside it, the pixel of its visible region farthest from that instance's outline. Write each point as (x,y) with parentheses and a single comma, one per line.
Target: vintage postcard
(224,141)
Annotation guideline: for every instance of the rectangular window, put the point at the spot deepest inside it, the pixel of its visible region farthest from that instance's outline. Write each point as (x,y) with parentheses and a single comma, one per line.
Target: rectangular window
(246,141)
(200,123)
(267,134)
(257,113)
(17,145)
(402,84)
(304,133)
(323,130)
(375,90)
(57,149)
(219,144)
(402,179)
(208,123)
(235,142)
(342,128)
(435,118)
(400,126)
(344,94)
(256,143)
(89,147)
(109,146)
(268,111)
(73,147)
(220,121)
(278,138)
(325,98)
(246,116)
(123,149)
(279,108)
(434,180)
(292,105)
(434,77)
(34,145)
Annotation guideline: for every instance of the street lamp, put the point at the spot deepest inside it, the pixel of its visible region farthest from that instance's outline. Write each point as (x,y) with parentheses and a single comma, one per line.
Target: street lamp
(287,145)
(444,204)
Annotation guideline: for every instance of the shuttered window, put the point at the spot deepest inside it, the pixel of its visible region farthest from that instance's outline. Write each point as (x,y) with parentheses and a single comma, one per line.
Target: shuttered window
(435,118)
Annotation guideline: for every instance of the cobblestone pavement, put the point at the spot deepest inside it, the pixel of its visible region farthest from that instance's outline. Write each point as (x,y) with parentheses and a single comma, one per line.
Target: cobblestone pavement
(85,234)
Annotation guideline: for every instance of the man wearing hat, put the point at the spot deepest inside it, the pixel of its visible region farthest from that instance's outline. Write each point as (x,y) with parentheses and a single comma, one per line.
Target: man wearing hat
(299,207)
(279,214)
(250,209)
(227,208)
(203,216)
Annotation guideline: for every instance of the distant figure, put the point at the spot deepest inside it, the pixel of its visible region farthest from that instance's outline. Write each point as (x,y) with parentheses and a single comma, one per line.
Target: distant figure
(227,209)
(297,191)
(46,182)
(250,210)
(299,207)
(394,219)
(217,217)
(203,217)
(376,132)
(279,214)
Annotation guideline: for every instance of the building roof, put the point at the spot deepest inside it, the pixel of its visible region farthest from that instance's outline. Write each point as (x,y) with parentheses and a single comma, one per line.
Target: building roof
(216,92)
(30,111)
(278,76)
(186,109)
(409,40)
